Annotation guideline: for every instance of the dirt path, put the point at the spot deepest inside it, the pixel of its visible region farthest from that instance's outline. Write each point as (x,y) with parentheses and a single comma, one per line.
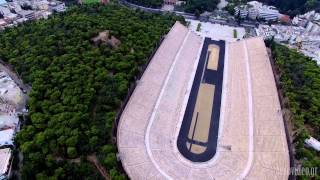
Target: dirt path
(93,159)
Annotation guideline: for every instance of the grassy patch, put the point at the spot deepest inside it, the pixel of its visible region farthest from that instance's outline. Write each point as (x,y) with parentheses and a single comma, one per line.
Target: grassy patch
(90,1)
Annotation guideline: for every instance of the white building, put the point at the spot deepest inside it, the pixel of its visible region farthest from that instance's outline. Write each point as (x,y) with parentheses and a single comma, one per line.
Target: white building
(41,5)
(5,11)
(306,19)
(253,13)
(29,14)
(309,15)
(43,14)
(57,6)
(266,32)
(7,120)
(255,10)
(255,4)
(10,93)
(5,163)
(3,2)
(313,143)
(13,13)
(15,6)
(309,26)
(2,22)
(295,20)
(268,13)
(304,36)
(6,137)
(315,28)
(241,11)
(316,17)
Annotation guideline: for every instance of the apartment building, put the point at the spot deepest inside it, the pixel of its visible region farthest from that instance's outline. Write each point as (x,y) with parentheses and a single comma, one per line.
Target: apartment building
(5,163)
(256,10)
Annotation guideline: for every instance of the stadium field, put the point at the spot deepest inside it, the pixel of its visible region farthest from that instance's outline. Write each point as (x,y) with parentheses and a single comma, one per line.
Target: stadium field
(197,139)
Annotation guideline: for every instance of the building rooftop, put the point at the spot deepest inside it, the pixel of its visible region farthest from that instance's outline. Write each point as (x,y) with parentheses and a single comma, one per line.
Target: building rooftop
(3,2)
(2,22)
(314,143)
(9,119)
(4,10)
(25,12)
(39,9)
(6,137)
(5,156)
(9,91)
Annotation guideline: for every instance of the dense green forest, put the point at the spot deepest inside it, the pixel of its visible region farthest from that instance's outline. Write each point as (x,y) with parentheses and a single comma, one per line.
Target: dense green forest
(77,87)
(148,3)
(190,6)
(294,7)
(300,83)
(289,7)
(199,6)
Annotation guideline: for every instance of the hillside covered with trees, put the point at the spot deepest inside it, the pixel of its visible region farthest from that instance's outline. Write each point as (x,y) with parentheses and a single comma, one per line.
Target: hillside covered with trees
(199,6)
(300,84)
(289,7)
(190,6)
(77,87)
(148,3)
(294,7)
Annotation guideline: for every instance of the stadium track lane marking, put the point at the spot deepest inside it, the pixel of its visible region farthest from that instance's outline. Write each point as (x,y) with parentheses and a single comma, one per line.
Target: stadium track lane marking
(147,138)
(250,158)
(251,146)
(184,106)
(194,130)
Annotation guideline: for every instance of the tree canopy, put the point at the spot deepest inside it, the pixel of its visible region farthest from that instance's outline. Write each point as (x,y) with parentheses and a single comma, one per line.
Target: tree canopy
(289,7)
(190,6)
(148,3)
(199,6)
(77,87)
(300,82)
(294,7)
